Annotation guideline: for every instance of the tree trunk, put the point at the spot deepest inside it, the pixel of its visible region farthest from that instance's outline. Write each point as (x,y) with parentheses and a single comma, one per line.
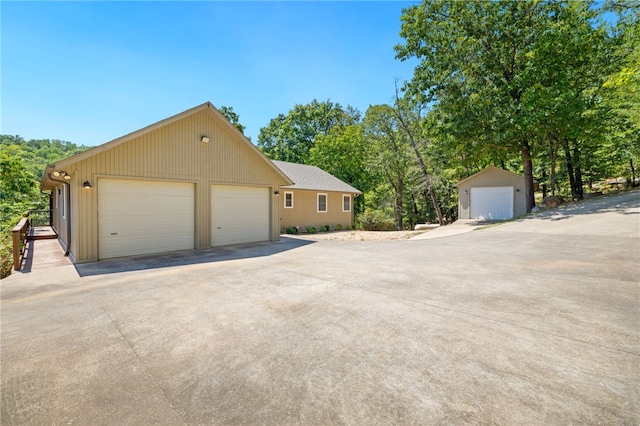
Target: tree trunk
(425,174)
(553,147)
(423,168)
(528,177)
(413,221)
(572,178)
(578,172)
(399,196)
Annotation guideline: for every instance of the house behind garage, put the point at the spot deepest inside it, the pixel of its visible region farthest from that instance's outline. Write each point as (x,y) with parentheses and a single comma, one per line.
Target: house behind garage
(191,181)
(492,194)
(316,199)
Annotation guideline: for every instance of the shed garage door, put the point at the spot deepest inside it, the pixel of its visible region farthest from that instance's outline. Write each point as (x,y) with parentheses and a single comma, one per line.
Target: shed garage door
(140,217)
(239,214)
(491,203)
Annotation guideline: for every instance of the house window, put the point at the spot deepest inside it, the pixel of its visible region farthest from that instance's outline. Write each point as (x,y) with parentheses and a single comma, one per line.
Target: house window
(288,200)
(346,203)
(322,203)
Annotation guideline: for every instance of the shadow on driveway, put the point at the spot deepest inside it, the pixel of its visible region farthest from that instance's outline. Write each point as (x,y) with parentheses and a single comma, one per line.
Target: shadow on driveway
(620,203)
(188,257)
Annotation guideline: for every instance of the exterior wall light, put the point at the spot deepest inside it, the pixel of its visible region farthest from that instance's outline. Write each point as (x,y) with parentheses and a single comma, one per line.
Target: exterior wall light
(56,173)
(204,139)
(67,176)
(86,185)
(276,192)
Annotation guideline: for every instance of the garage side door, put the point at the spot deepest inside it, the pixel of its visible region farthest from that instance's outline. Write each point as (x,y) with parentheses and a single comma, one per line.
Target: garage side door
(140,217)
(491,203)
(239,214)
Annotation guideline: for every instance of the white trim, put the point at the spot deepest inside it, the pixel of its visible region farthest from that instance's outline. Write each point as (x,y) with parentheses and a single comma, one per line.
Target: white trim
(349,198)
(326,202)
(285,199)
(491,203)
(63,204)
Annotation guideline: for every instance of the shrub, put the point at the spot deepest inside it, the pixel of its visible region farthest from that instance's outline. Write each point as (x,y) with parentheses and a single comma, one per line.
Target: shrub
(6,254)
(338,227)
(374,220)
(324,228)
(311,230)
(292,230)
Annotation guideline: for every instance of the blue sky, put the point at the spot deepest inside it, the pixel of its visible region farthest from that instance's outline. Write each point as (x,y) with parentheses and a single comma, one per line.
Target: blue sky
(89,72)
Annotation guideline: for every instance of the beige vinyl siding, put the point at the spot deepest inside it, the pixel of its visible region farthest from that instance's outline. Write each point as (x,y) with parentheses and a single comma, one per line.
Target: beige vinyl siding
(491,178)
(59,223)
(171,152)
(305,211)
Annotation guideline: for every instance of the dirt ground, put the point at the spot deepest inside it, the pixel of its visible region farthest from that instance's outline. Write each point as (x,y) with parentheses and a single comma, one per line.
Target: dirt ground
(361,235)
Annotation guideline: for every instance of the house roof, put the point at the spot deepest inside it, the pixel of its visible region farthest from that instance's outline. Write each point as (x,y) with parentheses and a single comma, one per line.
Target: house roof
(488,169)
(313,178)
(46,179)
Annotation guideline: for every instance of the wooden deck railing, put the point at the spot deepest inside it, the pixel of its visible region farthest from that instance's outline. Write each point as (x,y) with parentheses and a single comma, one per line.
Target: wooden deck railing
(20,232)
(39,217)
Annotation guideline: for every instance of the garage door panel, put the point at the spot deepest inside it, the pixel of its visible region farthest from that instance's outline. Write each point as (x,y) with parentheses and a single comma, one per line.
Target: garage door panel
(239,214)
(491,203)
(142,217)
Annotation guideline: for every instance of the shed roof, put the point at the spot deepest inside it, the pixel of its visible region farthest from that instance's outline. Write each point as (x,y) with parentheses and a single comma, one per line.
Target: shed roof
(488,169)
(313,178)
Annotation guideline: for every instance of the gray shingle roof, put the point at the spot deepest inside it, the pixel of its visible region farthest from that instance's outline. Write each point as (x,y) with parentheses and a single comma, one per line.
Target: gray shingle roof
(313,178)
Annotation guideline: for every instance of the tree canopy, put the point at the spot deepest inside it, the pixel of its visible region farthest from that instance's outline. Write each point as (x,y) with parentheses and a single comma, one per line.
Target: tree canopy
(232,116)
(505,76)
(290,137)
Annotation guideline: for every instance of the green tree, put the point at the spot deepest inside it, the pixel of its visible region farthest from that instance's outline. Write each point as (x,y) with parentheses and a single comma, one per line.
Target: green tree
(37,153)
(232,116)
(342,153)
(490,67)
(621,89)
(409,119)
(389,154)
(290,137)
(16,183)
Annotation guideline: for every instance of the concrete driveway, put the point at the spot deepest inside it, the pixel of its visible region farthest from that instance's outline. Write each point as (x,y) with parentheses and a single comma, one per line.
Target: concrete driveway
(529,322)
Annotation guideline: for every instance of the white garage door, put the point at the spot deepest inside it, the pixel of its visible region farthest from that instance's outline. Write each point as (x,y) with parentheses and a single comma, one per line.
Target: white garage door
(491,203)
(239,214)
(140,217)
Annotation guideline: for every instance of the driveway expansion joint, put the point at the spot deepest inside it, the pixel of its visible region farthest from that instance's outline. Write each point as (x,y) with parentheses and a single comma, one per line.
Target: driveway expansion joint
(142,363)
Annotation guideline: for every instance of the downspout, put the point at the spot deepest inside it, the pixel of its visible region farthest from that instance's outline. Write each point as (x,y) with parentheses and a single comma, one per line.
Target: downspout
(67,201)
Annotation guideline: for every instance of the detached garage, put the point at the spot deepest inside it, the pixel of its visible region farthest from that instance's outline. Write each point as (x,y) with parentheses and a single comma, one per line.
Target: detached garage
(191,181)
(492,194)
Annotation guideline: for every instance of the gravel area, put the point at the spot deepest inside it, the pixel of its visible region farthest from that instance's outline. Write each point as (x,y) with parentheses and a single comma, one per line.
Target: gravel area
(360,235)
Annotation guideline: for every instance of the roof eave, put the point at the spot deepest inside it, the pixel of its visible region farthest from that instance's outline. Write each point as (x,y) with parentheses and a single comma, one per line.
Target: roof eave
(344,191)
(457,185)
(122,139)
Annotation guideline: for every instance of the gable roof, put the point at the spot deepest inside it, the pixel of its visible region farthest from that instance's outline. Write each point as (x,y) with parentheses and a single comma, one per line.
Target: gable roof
(313,178)
(130,136)
(488,169)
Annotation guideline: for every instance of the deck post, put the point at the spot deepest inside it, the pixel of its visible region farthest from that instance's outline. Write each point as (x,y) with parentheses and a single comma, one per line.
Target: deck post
(20,232)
